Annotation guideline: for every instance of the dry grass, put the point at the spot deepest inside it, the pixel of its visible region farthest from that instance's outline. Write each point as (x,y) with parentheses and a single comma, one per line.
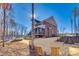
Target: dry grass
(16,48)
(74,51)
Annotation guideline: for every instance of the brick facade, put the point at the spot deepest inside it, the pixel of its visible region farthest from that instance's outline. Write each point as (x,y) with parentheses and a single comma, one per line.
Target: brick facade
(48,28)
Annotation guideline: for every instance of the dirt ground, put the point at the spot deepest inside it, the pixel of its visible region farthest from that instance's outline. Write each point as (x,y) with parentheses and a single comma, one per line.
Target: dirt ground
(21,48)
(17,48)
(66,49)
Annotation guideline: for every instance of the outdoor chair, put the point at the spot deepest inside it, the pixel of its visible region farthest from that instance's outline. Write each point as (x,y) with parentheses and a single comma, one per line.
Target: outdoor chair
(55,51)
(39,51)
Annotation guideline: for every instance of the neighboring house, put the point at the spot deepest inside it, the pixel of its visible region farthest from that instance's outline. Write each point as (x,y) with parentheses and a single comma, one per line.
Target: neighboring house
(46,28)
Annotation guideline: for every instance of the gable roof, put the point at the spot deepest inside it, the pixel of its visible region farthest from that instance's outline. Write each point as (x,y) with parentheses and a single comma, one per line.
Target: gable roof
(50,20)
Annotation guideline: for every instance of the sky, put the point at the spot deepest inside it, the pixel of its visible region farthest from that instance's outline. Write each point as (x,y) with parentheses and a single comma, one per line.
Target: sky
(60,11)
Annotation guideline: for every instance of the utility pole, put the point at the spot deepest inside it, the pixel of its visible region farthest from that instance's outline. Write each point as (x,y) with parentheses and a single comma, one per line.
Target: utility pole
(32,51)
(33,25)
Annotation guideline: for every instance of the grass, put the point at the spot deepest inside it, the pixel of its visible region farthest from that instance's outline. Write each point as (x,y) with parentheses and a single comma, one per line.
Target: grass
(27,38)
(61,39)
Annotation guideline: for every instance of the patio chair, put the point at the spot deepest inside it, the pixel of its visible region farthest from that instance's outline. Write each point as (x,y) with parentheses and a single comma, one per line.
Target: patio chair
(39,51)
(55,51)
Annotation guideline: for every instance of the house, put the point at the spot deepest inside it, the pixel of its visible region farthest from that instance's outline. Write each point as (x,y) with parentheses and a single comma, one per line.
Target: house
(46,28)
